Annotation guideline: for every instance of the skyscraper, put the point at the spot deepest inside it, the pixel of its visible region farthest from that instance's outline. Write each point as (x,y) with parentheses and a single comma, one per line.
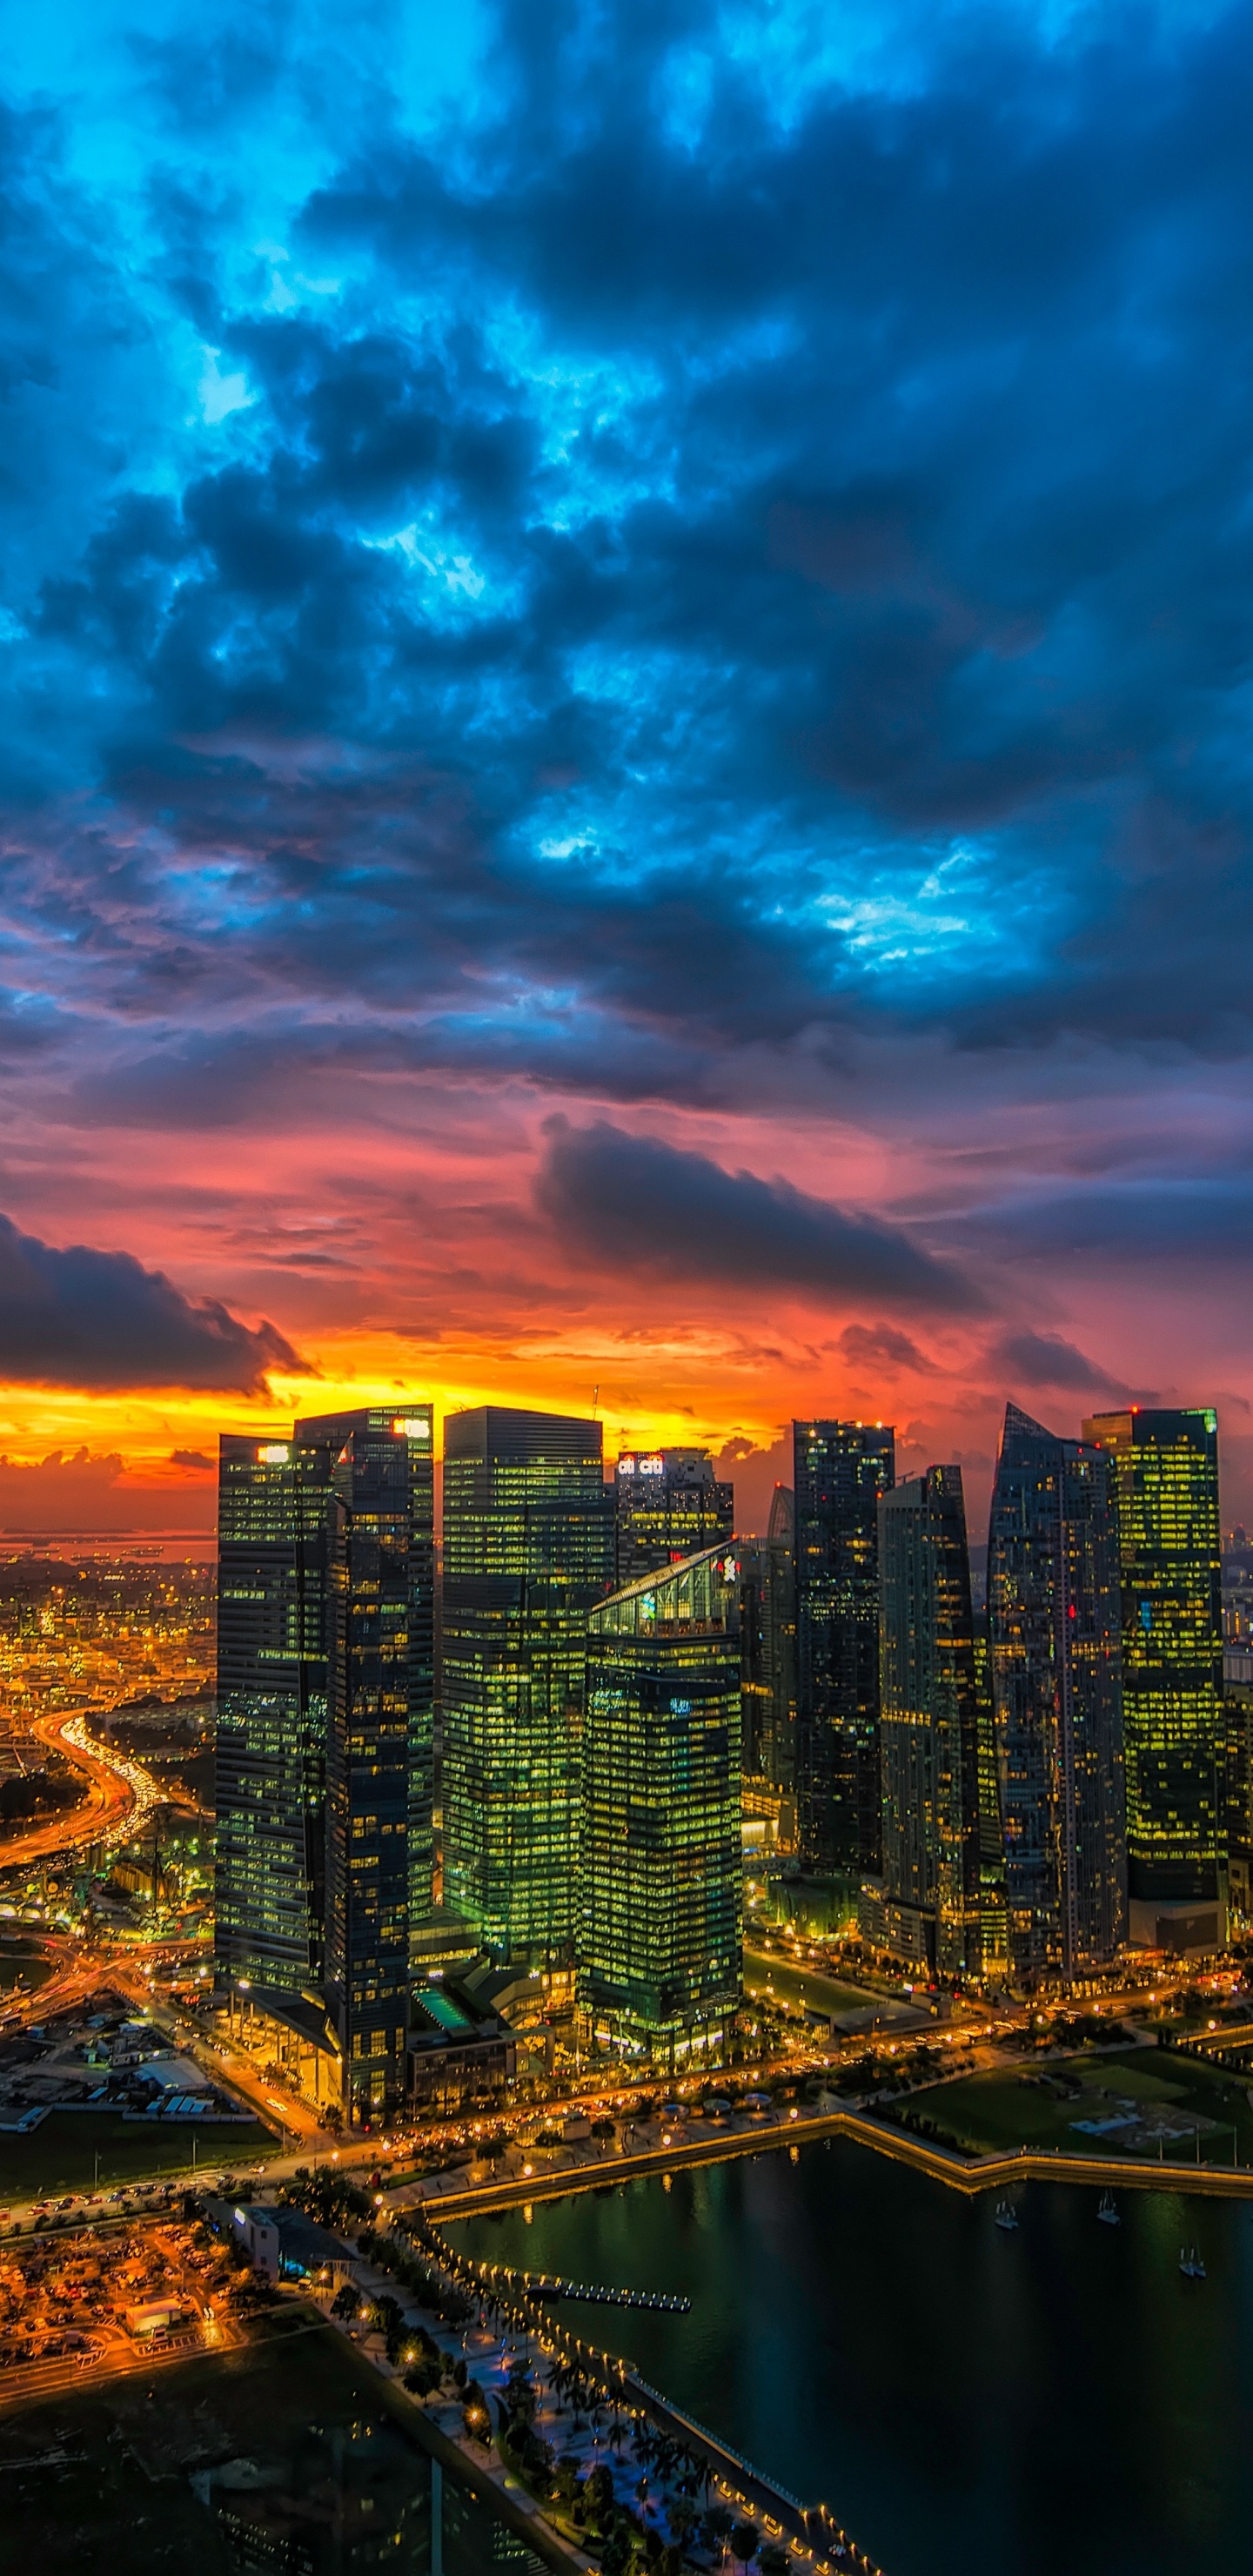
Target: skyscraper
(928,1718)
(528,1552)
(669,1504)
(768,1658)
(325,1723)
(1054,1618)
(1166,1470)
(271,1713)
(841,1469)
(380,1560)
(661,1876)
(1237,1782)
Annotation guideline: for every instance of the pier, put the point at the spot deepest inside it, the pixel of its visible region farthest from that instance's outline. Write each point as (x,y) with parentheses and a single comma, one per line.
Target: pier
(548,2285)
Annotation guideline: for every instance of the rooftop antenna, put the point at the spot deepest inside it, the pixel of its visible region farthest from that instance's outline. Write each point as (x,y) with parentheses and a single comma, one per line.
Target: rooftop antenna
(595,1402)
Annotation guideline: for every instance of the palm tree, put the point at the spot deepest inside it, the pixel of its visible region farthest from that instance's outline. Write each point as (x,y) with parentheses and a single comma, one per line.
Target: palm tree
(682,2518)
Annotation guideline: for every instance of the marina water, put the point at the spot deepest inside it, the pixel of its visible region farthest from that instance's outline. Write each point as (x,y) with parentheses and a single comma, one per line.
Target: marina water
(1049,2400)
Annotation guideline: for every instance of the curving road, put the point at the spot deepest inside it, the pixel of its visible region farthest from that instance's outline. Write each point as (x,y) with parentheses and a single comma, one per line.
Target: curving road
(120,1795)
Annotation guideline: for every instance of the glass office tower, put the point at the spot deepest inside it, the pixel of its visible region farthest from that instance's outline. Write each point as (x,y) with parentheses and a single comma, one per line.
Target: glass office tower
(1166,1470)
(1055,1619)
(841,1470)
(669,1504)
(528,1552)
(325,1723)
(929,1729)
(271,1713)
(768,1667)
(380,1558)
(661,1878)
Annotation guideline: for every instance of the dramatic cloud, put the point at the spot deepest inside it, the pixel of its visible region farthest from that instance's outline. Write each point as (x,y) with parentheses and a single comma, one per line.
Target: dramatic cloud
(1045,1359)
(98,1319)
(633,1203)
(882,1346)
(90,1493)
(644,563)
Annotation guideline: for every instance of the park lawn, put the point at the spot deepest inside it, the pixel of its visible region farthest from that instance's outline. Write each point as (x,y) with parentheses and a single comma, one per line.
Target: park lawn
(60,2155)
(997,2111)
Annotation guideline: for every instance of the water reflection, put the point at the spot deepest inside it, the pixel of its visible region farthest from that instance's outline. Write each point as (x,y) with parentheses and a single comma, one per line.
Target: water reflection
(971,2402)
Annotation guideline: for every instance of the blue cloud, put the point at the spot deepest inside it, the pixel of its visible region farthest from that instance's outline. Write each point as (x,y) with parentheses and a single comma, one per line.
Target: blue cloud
(608,541)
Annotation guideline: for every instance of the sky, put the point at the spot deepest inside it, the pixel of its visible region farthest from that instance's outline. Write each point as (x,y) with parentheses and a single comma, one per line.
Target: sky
(626,659)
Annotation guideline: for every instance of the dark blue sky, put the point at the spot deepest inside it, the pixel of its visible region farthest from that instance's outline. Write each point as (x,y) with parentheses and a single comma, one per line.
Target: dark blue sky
(624,704)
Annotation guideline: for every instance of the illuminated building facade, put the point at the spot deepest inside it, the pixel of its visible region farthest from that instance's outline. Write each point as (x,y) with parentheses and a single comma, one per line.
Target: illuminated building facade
(1237,1783)
(1166,1470)
(668,1504)
(929,1725)
(271,1712)
(841,1471)
(325,1723)
(528,1552)
(1054,1605)
(768,1667)
(380,1584)
(661,1874)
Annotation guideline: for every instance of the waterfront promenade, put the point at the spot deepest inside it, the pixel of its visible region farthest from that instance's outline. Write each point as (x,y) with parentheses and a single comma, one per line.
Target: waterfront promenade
(449,2196)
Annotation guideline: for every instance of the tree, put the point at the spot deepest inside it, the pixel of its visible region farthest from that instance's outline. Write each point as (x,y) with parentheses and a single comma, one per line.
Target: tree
(682,2517)
(772,2560)
(744,2539)
(598,2493)
(717,2522)
(345,2301)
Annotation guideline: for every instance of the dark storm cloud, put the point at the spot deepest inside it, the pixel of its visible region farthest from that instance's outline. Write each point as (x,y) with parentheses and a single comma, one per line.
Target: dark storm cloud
(882,1346)
(1045,1359)
(98,1319)
(634,1204)
(699,557)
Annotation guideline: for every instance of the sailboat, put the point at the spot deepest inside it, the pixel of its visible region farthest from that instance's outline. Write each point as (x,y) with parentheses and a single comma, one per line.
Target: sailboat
(1006,2214)
(1190,2263)
(1108,2211)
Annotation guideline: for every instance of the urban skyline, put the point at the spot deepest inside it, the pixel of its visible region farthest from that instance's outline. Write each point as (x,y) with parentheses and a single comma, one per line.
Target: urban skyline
(626,1035)
(377,931)
(545,1733)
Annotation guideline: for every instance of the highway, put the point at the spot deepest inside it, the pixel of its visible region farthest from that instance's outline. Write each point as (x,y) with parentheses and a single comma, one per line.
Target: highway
(120,1796)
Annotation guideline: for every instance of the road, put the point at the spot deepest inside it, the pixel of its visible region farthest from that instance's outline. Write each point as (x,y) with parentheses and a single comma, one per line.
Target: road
(219,2057)
(120,1795)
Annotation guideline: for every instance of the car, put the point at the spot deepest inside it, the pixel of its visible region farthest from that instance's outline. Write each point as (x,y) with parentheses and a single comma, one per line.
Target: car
(117,2195)
(69,2201)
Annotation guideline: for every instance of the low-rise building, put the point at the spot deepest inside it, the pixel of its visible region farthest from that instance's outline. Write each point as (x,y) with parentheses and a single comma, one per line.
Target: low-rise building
(461,2048)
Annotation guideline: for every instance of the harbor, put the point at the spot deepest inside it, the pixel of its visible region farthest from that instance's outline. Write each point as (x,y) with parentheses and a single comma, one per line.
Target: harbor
(829,2293)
